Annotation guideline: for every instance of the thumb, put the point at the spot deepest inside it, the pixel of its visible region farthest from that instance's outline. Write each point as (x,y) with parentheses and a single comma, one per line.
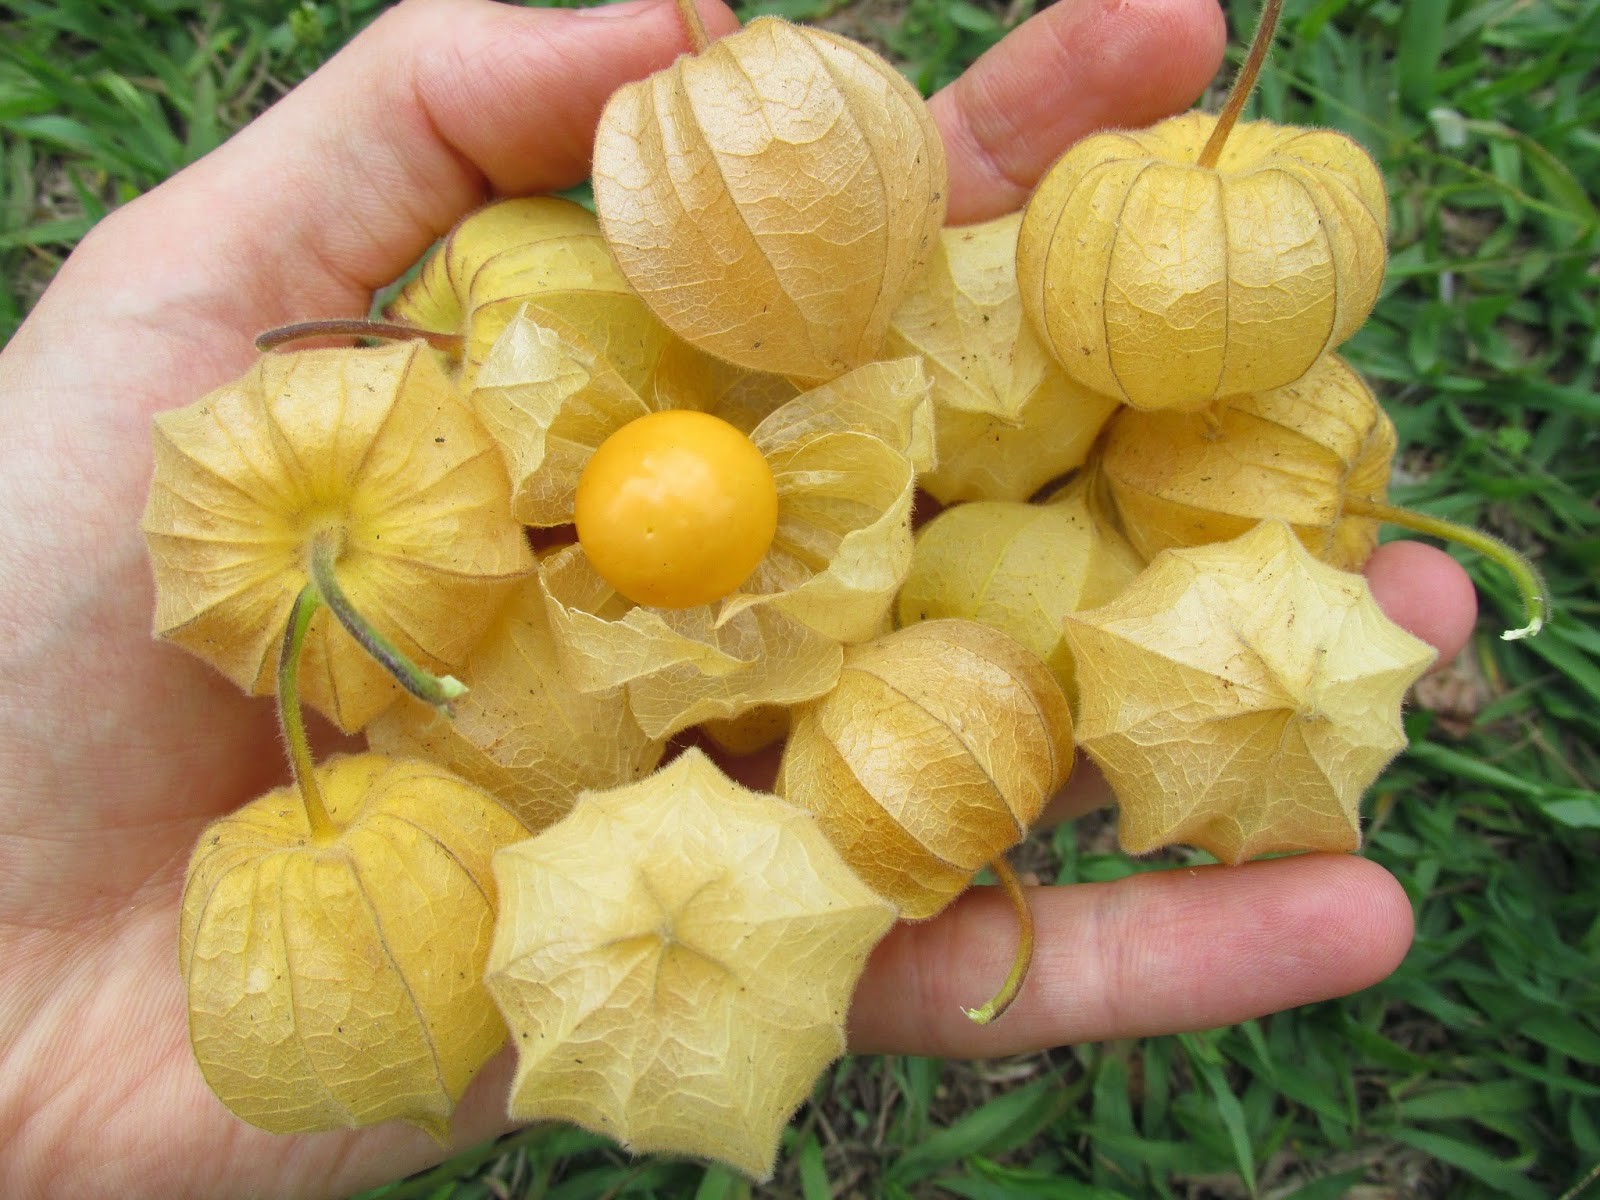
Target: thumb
(342,185)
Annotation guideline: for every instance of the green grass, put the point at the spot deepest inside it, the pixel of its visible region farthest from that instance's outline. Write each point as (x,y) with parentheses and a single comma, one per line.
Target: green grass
(1475,1070)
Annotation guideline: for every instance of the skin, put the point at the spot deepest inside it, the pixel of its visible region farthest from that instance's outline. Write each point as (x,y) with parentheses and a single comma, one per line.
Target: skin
(115,750)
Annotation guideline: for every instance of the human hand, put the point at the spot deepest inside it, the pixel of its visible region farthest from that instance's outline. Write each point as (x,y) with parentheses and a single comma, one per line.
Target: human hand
(118,750)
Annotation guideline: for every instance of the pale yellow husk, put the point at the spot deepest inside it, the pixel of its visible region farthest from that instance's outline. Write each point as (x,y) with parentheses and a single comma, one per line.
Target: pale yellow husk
(340,984)
(1169,285)
(696,979)
(931,757)
(1019,568)
(523,733)
(1244,696)
(540,251)
(1293,453)
(772,198)
(373,445)
(1008,419)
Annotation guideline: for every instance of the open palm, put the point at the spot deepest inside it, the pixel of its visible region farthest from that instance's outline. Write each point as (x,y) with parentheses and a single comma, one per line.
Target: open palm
(115,750)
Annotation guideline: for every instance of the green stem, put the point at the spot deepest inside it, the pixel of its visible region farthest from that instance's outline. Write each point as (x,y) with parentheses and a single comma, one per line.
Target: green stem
(272,339)
(699,39)
(292,719)
(1244,84)
(1535,595)
(437,690)
(1024,956)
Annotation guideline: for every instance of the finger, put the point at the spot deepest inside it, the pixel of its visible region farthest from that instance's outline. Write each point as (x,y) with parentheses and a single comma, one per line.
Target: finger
(1425,591)
(1078,66)
(1158,952)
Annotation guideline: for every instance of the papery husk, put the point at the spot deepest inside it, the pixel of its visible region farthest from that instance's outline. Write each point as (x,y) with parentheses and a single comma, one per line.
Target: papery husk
(522,732)
(931,757)
(680,666)
(1008,419)
(1240,697)
(373,447)
(1018,568)
(844,459)
(773,197)
(540,251)
(1294,453)
(686,378)
(675,961)
(339,984)
(550,399)
(1169,285)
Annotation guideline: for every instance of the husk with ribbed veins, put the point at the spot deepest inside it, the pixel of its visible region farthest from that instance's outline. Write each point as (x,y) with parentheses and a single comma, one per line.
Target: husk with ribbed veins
(773,197)
(931,757)
(340,983)
(373,448)
(1295,453)
(522,732)
(1246,694)
(697,981)
(1169,285)
(1008,419)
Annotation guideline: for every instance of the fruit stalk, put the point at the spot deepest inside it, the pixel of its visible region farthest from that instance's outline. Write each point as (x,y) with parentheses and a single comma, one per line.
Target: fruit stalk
(1531,585)
(698,38)
(432,689)
(274,339)
(1244,84)
(292,720)
(1024,956)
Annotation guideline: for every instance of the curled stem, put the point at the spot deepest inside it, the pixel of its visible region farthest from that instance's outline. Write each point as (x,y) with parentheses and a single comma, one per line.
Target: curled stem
(1024,956)
(272,339)
(1243,84)
(437,690)
(698,37)
(1531,585)
(292,720)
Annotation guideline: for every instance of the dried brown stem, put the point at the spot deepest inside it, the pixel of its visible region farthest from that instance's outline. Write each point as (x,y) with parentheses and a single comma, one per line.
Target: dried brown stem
(273,339)
(1244,84)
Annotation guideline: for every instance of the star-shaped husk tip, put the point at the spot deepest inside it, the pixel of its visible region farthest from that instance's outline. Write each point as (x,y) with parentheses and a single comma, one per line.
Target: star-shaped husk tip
(675,960)
(1241,696)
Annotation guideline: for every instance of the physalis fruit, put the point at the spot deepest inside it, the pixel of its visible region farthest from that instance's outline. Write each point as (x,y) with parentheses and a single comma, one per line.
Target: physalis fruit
(676,509)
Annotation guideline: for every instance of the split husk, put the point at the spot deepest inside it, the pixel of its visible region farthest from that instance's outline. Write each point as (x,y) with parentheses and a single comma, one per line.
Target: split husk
(844,457)
(339,983)
(773,197)
(696,982)
(1247,695)
(369,450)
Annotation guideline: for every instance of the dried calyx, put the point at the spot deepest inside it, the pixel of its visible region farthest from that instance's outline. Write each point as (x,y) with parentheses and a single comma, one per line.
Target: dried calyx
(334,933)
(928,761)
(1197,259)
(776,233)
